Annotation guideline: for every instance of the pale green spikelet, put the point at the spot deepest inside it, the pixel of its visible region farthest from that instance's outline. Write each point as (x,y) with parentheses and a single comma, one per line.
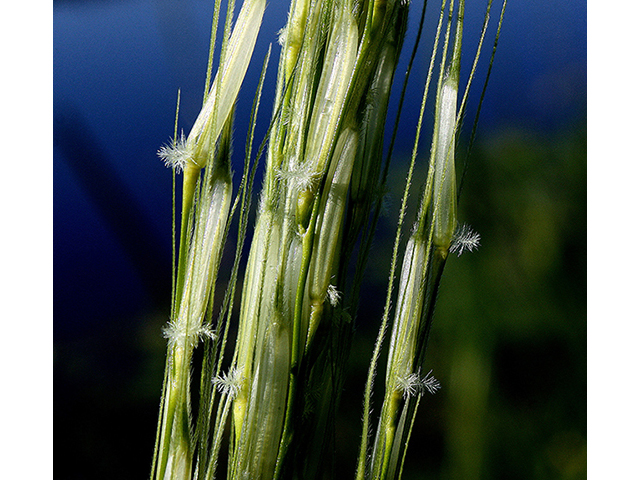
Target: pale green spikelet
(445,186)
(226,84)
(330,225)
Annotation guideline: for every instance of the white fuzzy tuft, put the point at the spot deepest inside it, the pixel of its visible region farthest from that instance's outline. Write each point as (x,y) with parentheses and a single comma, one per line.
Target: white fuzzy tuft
(177,155)
(282,36)
(409,385)
(464,239)
(412,385)
(176,333)
(333,295)
(301,177)
(229,383)
(430,383)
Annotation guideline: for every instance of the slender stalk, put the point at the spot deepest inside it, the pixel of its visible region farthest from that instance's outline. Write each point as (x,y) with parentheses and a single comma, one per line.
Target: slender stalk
(362,457)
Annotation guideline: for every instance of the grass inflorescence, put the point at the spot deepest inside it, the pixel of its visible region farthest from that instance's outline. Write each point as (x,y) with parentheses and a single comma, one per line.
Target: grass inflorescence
(274,402)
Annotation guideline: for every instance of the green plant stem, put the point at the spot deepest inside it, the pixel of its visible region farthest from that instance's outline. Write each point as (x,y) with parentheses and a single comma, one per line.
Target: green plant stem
(175,437)
(189,184)
(364,443)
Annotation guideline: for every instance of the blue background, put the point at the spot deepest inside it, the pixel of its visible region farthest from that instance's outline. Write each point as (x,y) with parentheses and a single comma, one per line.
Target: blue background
(118,66)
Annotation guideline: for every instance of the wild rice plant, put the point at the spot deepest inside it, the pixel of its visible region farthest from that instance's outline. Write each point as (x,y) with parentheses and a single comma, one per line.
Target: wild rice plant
(325,176)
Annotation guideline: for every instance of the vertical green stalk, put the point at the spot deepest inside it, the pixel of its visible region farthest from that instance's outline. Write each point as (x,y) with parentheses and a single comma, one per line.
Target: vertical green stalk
(205,210)
(364,469)
(422,266)
(187,327)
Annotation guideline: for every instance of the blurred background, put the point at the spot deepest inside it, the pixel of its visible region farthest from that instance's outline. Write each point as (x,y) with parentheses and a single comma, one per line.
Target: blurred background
(509,339)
